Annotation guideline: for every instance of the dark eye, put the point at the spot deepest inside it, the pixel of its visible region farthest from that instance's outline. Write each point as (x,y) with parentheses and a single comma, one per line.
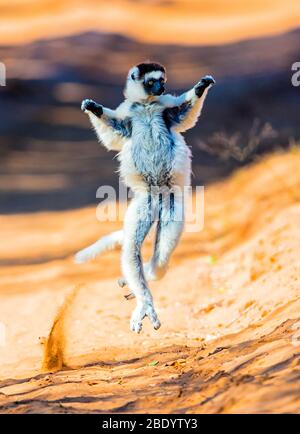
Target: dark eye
(150,82)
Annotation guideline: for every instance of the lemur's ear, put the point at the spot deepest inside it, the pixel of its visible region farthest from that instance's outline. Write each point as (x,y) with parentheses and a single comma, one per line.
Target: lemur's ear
(133,73)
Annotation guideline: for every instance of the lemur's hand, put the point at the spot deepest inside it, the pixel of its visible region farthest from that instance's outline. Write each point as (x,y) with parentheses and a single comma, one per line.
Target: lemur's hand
(205,82)
(88,105)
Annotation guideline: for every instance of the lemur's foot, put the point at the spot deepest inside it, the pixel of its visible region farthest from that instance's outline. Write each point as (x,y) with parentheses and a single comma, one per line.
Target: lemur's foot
(88,105)
(139,313)
(205,82)
(129,296)
(122,282)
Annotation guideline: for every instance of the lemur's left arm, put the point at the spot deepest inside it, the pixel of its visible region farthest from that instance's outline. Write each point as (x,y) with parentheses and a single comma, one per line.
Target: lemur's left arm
(182,112)
(111,129)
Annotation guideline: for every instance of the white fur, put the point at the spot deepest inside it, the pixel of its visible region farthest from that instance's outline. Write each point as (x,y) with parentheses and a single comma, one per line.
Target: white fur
(154,74)
(134,91)
(109,242)
(167,236)
(105,134)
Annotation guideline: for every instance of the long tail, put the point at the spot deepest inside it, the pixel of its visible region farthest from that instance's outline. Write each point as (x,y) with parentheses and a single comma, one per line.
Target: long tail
(108,242)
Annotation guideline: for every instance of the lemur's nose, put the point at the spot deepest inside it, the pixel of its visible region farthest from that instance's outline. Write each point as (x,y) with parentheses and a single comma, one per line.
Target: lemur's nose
(157,88)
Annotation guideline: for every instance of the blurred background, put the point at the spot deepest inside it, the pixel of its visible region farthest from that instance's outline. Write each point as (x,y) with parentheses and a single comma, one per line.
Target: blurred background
(60,52)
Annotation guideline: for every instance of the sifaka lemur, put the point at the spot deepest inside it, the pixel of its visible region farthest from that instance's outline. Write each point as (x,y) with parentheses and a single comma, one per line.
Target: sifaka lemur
(155,163)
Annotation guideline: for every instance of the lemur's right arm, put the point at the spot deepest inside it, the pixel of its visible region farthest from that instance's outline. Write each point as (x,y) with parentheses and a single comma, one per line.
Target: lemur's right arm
(111,129)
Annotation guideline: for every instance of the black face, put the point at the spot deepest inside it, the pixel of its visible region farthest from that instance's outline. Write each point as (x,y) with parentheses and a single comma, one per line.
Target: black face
(154,86)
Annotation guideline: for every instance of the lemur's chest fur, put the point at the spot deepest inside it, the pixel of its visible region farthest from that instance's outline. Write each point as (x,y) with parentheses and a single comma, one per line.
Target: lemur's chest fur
(153,145)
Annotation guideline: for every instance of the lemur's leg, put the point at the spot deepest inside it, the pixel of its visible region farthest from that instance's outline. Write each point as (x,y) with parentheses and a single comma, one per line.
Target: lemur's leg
(111,130)
(168,232)
(182,112)
(108,242)
(138,221)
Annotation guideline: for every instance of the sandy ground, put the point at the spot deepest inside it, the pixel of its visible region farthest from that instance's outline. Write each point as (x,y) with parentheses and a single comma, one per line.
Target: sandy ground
(229,308)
